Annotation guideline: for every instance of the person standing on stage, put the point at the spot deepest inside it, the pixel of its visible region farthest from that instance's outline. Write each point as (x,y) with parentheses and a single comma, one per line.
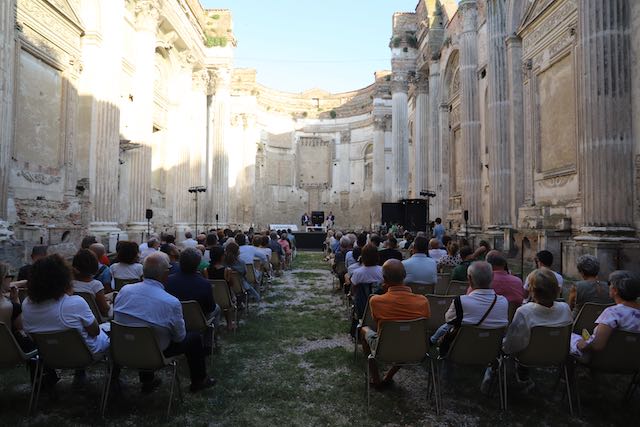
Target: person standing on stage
(305,219)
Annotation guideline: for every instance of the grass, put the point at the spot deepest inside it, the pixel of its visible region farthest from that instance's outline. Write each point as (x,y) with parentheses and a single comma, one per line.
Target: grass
(291,363)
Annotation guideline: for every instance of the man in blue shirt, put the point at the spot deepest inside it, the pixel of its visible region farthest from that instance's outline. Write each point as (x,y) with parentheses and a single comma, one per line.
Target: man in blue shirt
(420,267)
(439,230)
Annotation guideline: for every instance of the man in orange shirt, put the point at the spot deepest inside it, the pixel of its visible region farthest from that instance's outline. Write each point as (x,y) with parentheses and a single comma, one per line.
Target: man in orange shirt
(398,303)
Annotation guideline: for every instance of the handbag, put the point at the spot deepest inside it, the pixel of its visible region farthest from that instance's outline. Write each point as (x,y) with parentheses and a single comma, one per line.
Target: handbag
(447,339)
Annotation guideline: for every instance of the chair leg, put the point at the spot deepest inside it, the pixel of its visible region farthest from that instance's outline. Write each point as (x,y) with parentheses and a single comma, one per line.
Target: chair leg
(213,341)
(173,382)
(39,376)
(34,384)
(368,386)
(500,390)
(566,379)
(632,387)
(107,389)
(504,379)
(434,381)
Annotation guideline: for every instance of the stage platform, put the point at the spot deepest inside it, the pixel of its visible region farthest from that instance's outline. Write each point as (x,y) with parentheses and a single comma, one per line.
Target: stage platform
(310,241)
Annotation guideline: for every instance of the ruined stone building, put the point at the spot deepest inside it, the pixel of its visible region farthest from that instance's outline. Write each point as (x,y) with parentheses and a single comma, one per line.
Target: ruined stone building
(520,112)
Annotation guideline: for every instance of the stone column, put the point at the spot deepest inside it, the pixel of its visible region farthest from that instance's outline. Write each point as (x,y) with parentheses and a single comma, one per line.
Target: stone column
(218,157)
(606,143)
(7,73)
(498,114)
(445,159)
(516,124)
(379,126)
(400,135)
(147,19)
(420,177)
(469,112)
(436,181)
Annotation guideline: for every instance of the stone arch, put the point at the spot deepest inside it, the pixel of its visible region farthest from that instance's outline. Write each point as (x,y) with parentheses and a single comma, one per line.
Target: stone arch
(451,80)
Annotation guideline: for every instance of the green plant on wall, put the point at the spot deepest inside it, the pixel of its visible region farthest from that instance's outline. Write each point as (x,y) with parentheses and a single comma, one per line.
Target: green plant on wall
(396,41)
(214,41)
(333,114)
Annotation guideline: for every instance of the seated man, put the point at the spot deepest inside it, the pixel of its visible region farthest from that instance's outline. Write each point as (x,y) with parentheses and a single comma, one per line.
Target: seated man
(435,251)
(188,285)
(104,273)
(545,259)
(460,271)
(505,284)
(482,307)
(390,251)
(38,252)
(153,245)
(249,252)
(147,303)
(398,303)
(420,267)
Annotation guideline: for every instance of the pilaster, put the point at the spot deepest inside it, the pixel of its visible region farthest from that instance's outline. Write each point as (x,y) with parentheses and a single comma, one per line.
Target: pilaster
(436,179)
(421,152)
(516,123)
(400,135)
(7,73)
(380,118)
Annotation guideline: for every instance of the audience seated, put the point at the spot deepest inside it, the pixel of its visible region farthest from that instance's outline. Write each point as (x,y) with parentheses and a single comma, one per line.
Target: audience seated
(361,240)
(397,303)
(435,251)
(216,265)
(406,240)
(148,304)
(624,289)
(420,268)
(37,252)
(452,258)
(545,259)
(369,273)
(103,275)
(189,241)
(126,266)
(204,262)
(152,245)
(248,252)
(390,251)
(188,284)
(589,289)
(460,271)
(10,307)
(375,240)
(504,283)
(85,267)
(233,262)
(286,247)
(482,307)
(334,241)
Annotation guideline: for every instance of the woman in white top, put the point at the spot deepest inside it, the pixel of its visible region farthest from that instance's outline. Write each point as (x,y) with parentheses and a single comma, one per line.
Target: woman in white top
(366,279)
(127,267)
(85,266)
(624,288)
(51,307)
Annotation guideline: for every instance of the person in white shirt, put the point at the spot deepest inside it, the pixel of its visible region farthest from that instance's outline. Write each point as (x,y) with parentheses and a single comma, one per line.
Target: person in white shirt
(189,241)
(147,303)
(152,245)
(248,253)
(545,259)
(435,251)
(85,266)
(127,267)
(420,267)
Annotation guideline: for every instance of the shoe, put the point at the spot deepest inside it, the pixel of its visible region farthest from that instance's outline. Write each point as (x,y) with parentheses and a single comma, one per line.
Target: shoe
(202,385)
(151,386)
(485,387)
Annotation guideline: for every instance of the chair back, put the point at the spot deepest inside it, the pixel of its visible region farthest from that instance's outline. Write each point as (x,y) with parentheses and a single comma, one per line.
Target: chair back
(340,268)
(422,288)
(512,310)
(439,304)
(221,293)
(442,285)
(548,346)
(135,347)
(6,310)
(476,346)
(251,274)
(120,283)
(63,350)
(457,287)
(587,316)
(361,297)
(367,318)
(275,260)
(11,354)
(91,301)
(235,282)
(402,342)
(194,318)
(621,355)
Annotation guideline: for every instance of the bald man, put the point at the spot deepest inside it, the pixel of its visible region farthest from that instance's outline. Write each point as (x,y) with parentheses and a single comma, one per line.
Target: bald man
(398,303)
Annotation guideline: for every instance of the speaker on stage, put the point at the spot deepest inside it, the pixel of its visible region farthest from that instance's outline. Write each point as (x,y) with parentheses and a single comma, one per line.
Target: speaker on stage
(317,217)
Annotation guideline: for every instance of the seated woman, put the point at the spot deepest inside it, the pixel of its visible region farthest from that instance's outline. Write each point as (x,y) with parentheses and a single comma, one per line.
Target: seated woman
(624,289)
(357,252)
(85,266)
(286,247)
(216,264)
(589,289)
(452,258)
(10,307)
(127,266)
(51,307)
(369,274)
(233,263)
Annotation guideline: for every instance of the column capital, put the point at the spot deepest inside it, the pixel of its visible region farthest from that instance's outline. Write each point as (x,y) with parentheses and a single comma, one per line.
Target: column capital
(469,11)
(200,80)
(400,82)
(421,82)
(147,14)
(219,78)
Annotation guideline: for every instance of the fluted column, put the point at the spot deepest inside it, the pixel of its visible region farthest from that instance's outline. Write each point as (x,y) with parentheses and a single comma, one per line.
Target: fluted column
(606,143)
(379,126)
(147,20)
(469,112)
(516,123)
(219,146)
(400,136)
(421,153)
(498,113)
(7,73)
(436,179)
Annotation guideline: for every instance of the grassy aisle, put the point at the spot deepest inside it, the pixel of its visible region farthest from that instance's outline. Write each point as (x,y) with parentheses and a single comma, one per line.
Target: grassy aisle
(291,363)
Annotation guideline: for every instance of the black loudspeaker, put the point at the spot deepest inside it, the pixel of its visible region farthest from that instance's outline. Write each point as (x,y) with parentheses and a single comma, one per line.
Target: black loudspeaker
(317,217)
(149,214)
(415,215)
(216,217)
(392,213)
(466,216)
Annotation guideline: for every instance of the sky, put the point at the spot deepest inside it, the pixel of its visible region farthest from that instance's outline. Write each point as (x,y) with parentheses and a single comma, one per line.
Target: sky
(298,45)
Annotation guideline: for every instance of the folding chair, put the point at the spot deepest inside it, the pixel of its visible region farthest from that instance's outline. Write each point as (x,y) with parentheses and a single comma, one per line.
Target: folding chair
(366,320)
(91,301)
(251,277)
(63,350)
(621,355)
(222,297)
(403,343)
(422,288)
(196,321)
(235,284)
(474,346)
(119,283)
(587,316)
(136,347)
(340,269)
(442,285)
(275,263)
(457,287)
(12,355)
(439,304)
(548,347)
